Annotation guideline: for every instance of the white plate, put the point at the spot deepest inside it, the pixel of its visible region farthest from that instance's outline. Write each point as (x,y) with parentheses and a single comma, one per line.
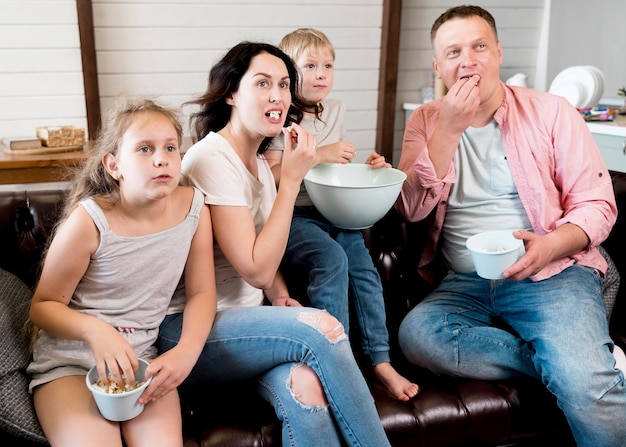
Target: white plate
(599,84)
(570,89)
(588,80)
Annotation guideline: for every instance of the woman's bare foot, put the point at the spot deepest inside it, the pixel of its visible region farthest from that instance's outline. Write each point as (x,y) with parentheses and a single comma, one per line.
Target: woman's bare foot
(400,387)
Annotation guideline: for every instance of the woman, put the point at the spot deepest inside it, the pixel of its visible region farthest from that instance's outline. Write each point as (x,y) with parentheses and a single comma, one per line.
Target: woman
(301,357)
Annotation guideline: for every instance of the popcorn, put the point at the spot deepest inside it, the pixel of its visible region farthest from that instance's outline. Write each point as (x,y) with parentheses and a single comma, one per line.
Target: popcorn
(114,388)
(293,133)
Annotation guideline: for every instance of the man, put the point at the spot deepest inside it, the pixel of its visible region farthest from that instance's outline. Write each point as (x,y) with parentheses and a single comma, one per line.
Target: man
(490,156)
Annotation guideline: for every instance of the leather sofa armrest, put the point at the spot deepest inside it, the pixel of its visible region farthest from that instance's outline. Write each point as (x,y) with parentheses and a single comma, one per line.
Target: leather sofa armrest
(27,219)
(614,245)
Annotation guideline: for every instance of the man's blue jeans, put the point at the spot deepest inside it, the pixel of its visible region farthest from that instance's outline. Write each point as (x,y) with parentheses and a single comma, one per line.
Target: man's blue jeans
(339,266)
(553,330)
(265,343)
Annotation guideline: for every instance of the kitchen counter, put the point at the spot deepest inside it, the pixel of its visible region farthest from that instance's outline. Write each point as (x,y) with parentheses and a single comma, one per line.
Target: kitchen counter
(610,137)
(616,127)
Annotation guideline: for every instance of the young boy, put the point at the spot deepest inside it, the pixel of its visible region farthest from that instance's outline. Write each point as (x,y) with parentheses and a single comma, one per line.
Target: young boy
(337,260)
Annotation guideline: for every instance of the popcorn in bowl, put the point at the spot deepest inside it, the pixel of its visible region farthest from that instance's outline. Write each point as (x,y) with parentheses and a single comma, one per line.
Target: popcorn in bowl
(114,388)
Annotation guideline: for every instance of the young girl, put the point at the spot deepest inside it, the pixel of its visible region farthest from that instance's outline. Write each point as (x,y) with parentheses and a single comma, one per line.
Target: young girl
(337,260)
(300,357)
(127,234)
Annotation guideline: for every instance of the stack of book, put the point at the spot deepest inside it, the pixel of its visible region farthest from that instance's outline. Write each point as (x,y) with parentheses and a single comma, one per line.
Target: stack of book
(16,144)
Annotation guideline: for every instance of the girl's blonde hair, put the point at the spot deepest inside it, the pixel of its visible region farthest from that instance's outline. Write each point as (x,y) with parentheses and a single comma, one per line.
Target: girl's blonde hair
(92,180)
(305,39)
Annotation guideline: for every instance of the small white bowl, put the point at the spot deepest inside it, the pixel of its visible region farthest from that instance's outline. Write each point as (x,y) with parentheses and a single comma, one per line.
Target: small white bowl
(353,196)
(121,406)
(493,252)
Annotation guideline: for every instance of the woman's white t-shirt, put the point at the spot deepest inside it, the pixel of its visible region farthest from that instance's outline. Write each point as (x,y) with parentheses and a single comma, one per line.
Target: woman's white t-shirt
(212,166)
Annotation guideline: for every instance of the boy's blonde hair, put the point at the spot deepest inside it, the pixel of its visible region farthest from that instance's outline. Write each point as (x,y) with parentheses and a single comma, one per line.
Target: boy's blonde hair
(305,39)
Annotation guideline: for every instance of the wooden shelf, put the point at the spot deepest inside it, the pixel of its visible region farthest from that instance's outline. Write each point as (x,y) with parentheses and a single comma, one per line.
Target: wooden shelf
(55,167)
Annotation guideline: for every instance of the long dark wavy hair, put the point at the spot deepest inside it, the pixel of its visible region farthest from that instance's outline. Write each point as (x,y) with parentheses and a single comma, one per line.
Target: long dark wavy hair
(224,80)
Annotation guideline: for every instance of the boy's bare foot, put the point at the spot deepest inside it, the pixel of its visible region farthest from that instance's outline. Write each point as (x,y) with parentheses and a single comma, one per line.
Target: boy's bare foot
(400,387)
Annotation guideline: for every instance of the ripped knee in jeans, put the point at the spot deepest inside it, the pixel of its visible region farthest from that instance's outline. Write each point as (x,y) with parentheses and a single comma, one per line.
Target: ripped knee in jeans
(325,323)
(306,388)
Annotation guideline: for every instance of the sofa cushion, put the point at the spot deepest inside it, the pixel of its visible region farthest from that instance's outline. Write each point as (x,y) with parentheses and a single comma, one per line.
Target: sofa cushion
(610,283)
(17,414)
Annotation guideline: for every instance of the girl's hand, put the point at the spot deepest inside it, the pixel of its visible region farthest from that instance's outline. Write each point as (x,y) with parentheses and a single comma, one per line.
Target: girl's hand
(112,351)
(167,371)
(375,160)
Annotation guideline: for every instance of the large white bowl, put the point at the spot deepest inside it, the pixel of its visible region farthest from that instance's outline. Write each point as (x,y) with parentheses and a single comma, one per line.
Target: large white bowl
(353,196)
(122,406)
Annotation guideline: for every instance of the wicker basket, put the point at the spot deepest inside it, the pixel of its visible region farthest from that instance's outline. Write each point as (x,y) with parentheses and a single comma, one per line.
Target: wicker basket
(61,136)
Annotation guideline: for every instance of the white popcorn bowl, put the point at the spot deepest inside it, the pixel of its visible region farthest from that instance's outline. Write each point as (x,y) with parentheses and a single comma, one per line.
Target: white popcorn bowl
(122,406)
(353,196)
(493,252)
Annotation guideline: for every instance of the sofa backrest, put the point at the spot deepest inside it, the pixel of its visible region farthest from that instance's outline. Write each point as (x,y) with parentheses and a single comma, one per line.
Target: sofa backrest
(615,245)
(27,219)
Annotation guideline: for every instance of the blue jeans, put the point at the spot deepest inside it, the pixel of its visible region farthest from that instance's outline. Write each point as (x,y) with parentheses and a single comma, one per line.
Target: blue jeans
(264,344)
(339,265)
(553,330)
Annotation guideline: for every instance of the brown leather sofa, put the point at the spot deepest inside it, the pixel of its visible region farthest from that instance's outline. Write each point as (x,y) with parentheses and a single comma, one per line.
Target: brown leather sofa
(447,411)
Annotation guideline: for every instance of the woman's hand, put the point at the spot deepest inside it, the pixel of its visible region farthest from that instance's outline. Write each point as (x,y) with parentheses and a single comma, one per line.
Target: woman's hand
(299,154)
(286,301)
(278,293)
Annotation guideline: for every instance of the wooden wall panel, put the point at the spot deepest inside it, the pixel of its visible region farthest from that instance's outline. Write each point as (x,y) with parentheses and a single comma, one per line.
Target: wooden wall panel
(166,49)
(41,71)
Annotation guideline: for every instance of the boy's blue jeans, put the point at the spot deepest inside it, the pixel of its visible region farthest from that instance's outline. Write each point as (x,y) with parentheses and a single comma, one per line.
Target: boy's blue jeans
(553,330)
(339,266)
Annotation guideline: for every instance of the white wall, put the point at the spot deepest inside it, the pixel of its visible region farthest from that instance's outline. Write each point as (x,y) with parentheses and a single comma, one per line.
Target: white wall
(41,81)
(164,48)
(589,33)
